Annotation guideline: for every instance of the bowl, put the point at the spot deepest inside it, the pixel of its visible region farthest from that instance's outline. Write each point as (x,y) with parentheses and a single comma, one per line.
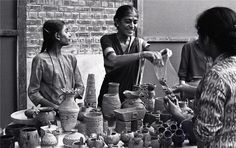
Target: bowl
(19,117)
(14,130)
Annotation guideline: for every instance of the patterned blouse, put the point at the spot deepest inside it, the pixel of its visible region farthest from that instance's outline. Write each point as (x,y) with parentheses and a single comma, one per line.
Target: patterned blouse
(215,105)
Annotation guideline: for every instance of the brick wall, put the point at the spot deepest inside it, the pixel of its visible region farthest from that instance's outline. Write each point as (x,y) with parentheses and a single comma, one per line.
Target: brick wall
(88,20)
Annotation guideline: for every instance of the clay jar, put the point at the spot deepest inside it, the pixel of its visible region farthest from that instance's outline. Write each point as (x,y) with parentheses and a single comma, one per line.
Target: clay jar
(7,141)
(126,136)
(68,112)
(132,100)
(45,115)
(112,139)
(111,101)
(178,137)
(14,130)
(136,142)
(48,140)
(29,137)
(166,139)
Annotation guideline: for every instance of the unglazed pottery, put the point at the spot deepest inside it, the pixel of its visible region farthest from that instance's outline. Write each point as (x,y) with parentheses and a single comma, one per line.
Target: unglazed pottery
(45,115)
(29,138)
(7,141)
(14,130)
(72,137)
(68,112)
(90,94)
(93,122)
(111,101)
(49,139)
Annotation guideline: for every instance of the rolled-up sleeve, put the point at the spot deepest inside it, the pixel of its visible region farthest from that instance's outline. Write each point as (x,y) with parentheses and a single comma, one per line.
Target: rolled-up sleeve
(210,105)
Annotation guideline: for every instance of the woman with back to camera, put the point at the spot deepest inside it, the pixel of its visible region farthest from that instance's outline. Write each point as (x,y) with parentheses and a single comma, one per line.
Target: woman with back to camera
(51,70)
(122,52)
(214,122)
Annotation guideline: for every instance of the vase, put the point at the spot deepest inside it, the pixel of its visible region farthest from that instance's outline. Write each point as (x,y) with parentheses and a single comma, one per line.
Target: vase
(178,138)
(90,94)
(110,102)
(29,137)
(94,123)
(68,112)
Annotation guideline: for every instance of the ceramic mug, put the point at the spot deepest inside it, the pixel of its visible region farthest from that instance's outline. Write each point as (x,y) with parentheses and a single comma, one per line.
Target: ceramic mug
(29,138)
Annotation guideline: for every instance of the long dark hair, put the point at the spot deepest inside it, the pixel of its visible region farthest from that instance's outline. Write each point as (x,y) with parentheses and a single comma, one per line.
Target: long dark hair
(124,11)
(50,27)
(219,23)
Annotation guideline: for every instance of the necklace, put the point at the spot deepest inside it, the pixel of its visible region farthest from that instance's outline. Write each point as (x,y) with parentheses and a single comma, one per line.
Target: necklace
(64,77)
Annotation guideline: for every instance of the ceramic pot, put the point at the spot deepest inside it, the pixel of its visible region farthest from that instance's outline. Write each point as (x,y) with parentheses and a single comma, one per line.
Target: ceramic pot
(136,142)
(68,112)
(110,102)
(112,139)
(7,141)
(126,136)
(90,94)
(178,138)
(14,130)
(155,143)
(132,100)
(72,137)
(48,128)
(173,128)
(166,139)
(79,144)
(146,138)
(49,140)
(29,137)
(161,130)
(94,123)
(45,115)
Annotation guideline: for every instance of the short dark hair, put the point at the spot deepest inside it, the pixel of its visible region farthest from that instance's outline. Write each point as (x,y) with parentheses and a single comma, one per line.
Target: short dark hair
(50,27)
(219,23)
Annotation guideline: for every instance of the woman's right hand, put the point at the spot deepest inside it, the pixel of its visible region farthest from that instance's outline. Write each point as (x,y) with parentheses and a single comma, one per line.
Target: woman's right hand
(153,57)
